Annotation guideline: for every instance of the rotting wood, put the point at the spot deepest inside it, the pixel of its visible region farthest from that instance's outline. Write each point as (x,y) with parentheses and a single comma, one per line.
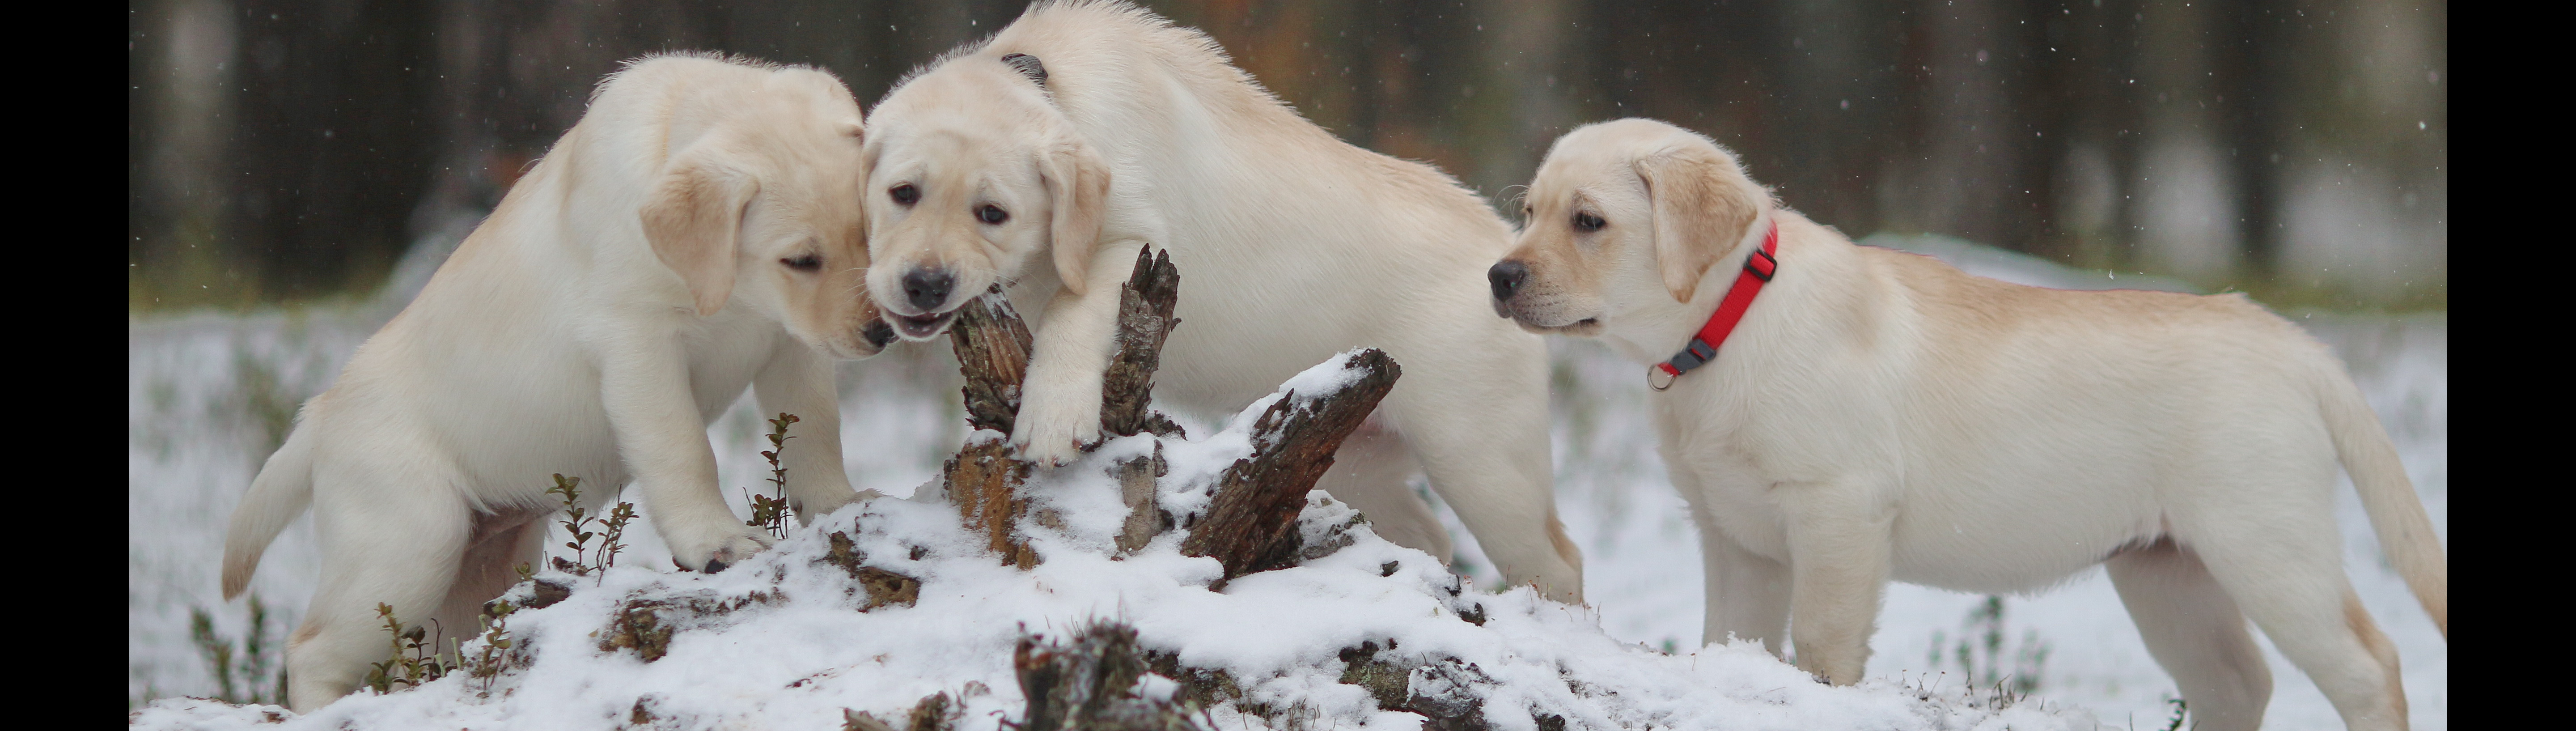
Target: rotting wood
(983,479)
(883,587)
(1085,684)
(1249,526)
(992,346)
(1138,478)
(1258,498)
(1145,304)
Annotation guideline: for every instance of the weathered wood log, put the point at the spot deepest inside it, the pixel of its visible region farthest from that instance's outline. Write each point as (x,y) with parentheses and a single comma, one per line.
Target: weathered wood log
(1254,513)
(983,480)
(992,346)
(1145,304)
(1084,684)
(1145,319)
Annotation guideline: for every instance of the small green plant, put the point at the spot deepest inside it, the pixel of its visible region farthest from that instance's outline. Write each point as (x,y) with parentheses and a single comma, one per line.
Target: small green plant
(612,539)
(258,668)
(486,666)
(1980,656)
(586,562)
(771,512)
(2179,708)
(415,658)
(575,518)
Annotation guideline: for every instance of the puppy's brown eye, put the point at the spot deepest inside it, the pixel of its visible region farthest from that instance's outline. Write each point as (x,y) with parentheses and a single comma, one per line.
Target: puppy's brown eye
(1588,222)
(905,194)
(991,214)
(806,263)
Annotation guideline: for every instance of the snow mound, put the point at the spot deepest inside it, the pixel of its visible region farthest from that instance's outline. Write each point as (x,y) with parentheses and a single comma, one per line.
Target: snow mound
(884,604)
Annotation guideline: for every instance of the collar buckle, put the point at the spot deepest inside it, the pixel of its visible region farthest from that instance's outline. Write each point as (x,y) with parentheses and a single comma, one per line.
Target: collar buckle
(1762,264)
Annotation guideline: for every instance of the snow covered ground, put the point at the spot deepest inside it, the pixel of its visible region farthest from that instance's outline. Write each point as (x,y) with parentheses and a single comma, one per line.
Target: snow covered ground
(209,395)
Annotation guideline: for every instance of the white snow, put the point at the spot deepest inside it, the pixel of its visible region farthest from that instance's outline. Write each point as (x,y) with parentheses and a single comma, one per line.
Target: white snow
(799,651)
(195,437)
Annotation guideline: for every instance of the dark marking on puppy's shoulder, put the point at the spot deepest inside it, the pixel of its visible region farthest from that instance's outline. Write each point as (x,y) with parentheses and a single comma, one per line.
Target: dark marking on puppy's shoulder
(1028,66)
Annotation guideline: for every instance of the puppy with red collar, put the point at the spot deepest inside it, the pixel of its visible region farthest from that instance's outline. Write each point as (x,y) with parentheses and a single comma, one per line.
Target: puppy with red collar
(1840,416)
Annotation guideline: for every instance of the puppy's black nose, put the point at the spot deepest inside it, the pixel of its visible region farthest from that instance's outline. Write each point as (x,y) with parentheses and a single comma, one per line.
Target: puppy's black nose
(878,333)
(927,289)
(1506,278)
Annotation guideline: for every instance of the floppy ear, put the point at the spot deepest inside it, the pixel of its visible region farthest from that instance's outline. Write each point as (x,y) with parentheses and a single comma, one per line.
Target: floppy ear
(694,220)
(1079,182)
(1701,211)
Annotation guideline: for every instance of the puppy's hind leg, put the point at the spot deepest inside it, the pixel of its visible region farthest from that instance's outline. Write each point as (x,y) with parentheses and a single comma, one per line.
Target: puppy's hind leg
(2281,560)
(2195,631)
(1369,472)
(499,544)
(392,530)
(1485,447)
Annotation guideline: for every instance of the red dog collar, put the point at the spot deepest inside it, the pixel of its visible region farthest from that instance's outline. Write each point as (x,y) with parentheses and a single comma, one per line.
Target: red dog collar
(1758,269)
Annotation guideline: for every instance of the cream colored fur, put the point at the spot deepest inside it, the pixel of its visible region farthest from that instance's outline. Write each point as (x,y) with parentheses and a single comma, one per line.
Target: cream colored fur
(1882,416)
(1292,245)
(622,295)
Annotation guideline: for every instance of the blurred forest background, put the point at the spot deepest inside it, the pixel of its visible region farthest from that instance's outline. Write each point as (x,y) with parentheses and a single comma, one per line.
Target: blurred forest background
(291,150)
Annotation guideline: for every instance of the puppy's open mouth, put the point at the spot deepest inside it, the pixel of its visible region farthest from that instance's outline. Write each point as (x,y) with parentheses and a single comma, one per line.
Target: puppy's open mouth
(921,327)
(1580,328)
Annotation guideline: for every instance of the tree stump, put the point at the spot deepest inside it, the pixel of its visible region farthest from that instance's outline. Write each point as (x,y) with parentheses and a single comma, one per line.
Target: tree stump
(1251,524)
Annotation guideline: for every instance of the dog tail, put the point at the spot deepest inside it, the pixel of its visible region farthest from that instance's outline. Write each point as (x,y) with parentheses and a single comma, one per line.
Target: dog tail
(281,491)
(2405,532)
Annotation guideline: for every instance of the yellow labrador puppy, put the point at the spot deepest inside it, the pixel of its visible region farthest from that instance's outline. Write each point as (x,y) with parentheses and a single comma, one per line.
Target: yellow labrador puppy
(1046,156)
(693,234)
(1839,416)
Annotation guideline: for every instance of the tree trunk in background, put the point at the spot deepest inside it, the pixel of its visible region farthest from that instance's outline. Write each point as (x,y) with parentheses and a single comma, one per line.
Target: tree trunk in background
(2250,70)
(299,155)
(330,143)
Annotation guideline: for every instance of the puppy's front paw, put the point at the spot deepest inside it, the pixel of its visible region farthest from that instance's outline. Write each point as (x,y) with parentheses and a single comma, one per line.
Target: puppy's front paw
(1052,432)
(713,553)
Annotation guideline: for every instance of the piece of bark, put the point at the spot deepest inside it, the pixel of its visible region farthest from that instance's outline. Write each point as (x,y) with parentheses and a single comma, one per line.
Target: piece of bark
(992,346)
(1145,319)
(1137,481)
(1145,303)
(1258,498)
(883,587)
(1085,684)
(983,480)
